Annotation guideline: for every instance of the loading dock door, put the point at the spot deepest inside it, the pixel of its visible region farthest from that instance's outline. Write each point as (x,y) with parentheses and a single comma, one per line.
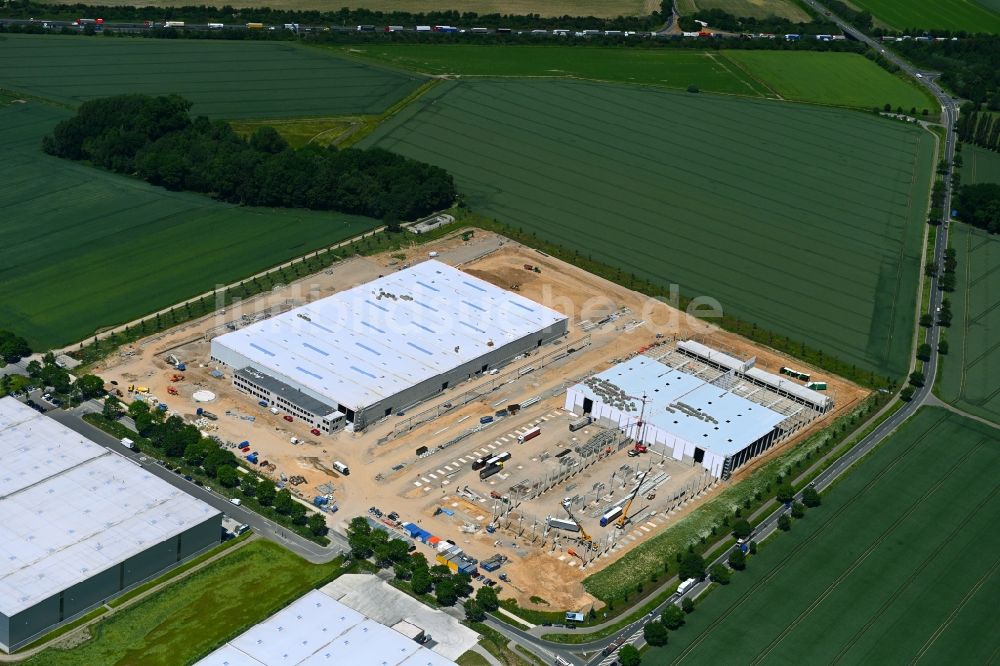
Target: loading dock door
(699,454)
(588,405)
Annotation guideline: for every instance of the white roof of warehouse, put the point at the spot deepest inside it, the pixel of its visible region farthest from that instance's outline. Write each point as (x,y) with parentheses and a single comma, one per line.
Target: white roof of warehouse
(70,508)
(318,629)
(364,344)
(738,421)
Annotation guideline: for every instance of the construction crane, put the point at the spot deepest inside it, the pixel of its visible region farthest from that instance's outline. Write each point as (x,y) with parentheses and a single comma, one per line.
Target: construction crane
(640,425)
(585,538)
(624,517)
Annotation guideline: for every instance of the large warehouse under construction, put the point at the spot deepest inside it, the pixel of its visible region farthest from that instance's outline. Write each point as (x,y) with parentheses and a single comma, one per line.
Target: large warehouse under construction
(364,353)
(79,524)
(699,405)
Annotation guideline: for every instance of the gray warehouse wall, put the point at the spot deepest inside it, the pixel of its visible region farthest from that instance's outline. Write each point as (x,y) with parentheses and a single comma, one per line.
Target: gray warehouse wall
(419,392)
(428,388)
(76,600)
(4,632)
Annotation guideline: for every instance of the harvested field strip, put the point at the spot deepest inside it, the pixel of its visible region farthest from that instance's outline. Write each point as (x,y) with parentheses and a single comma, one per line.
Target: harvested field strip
(894,565)
(226,79)
(973,361)
(812,231)
(81,249)
(668,68)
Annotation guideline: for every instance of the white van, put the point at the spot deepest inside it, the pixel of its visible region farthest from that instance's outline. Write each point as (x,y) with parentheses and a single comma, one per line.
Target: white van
(236,500)
(341,467)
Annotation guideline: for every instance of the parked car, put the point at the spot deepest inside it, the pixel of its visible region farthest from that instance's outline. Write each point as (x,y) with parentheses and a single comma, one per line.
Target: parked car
(316,432)
(288,417)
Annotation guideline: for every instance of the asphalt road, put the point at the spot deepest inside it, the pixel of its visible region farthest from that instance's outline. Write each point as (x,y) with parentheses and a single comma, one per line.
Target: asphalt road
(311,551)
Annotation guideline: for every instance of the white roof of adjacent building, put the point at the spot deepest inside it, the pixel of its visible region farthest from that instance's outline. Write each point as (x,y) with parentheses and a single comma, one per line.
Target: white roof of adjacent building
(728,423)
(364,344)
(746,368)
(317,629)
(69,508)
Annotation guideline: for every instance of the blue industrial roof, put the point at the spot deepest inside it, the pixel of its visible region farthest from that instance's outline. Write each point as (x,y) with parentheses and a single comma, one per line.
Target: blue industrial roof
(729,421)
(364,344)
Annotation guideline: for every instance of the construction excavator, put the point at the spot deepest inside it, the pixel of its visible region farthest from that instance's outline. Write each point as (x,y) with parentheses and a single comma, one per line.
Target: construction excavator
(623,519)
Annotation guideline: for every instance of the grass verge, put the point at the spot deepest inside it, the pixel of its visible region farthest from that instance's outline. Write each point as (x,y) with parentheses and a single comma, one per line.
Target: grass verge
(185,621)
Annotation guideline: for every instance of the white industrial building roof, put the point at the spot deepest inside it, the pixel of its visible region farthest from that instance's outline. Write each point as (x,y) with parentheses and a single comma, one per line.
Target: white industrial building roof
(317,629)
(70,508)
(729,422)
(746,368)
(364,344)
(719,358)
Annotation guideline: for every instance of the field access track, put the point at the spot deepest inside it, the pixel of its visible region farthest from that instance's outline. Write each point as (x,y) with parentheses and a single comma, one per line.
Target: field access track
(223,78)
(901,564)
(804,221)
(972,365)
(82,248)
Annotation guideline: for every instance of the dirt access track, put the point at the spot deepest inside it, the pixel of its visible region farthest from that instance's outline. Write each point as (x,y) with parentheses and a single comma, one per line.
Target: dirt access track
(437,489)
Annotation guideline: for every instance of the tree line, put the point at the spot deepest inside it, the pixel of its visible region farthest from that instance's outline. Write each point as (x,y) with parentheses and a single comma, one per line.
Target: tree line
(12,347)
(156,139)
(968,66)
(340,17)
(979,205)
(179,440)
(979,127)
(720,19)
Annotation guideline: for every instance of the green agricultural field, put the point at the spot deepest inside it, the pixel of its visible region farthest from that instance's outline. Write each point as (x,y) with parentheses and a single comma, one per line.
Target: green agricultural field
(81,248)
(189,618)
(972,365)
(970,15)
(979,165)
(840,79)
(804,221)
(755,8)
(660,67)
(900,564)
(227,79)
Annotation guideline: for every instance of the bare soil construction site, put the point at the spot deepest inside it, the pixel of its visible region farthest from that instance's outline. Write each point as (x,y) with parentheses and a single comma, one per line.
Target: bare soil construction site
(420,465)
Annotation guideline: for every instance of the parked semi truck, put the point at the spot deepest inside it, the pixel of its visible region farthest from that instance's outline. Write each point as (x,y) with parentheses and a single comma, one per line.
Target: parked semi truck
(490,470)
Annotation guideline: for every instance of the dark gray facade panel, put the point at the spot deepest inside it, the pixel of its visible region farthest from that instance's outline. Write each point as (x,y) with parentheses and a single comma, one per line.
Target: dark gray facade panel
(76,600)
(90,592)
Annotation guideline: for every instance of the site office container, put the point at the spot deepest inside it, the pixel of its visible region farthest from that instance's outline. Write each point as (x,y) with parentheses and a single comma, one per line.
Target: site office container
(531,434)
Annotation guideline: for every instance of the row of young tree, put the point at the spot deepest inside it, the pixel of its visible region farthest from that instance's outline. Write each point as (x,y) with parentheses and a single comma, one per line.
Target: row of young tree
(179,440)
(981,128)
(691,565)
(156,139)
(414,571)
